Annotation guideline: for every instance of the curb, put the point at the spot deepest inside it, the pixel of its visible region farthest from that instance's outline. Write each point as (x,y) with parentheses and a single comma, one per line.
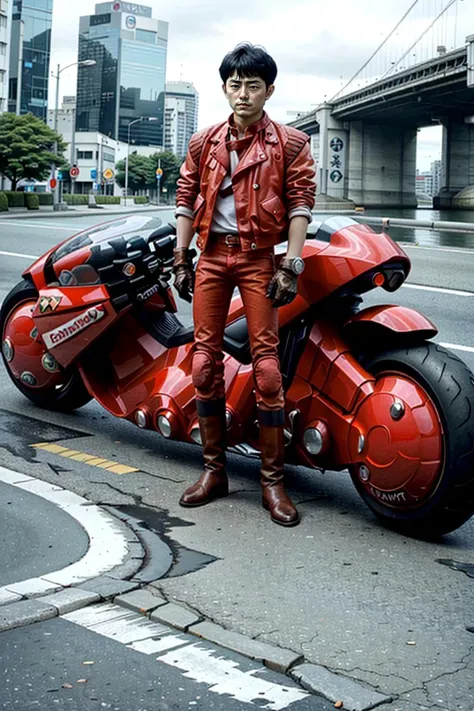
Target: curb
(82,213)
(67,591)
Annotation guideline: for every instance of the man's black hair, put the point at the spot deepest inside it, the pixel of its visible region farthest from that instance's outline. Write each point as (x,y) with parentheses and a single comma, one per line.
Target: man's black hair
(249,61)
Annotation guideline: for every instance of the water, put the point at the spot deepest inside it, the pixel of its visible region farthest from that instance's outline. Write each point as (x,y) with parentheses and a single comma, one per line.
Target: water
(425,237)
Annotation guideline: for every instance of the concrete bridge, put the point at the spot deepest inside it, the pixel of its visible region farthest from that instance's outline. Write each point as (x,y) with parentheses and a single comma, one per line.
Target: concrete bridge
(365,141)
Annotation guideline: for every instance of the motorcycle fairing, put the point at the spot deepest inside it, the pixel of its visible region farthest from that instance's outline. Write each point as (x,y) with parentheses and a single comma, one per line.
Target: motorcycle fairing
(80,316)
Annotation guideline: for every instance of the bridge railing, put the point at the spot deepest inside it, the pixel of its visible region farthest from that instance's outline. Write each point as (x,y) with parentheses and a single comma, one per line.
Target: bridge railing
(439,225)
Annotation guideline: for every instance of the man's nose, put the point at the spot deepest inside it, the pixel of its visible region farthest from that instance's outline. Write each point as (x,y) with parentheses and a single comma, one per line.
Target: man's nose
(244,92)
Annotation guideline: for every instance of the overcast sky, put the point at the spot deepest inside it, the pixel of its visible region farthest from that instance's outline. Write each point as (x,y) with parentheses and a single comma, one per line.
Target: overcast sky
(318,45)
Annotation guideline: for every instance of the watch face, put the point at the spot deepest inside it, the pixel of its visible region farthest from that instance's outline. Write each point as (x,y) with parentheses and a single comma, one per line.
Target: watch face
(298,265)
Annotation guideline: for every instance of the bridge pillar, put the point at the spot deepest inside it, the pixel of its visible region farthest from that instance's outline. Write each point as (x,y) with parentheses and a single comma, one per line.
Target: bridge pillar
(458,165)
(332,175)
(382,165)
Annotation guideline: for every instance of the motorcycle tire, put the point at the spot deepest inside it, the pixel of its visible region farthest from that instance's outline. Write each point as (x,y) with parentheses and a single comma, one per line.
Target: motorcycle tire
(450,385)
(72,393)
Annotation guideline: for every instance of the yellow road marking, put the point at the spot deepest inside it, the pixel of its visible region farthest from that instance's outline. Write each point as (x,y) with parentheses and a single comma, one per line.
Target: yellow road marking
(90,459)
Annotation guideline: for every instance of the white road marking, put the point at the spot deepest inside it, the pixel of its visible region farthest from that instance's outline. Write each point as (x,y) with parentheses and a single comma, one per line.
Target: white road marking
(456,347)
(43,226)
(439,289)
(224,677)
(21,256)
(196,660)
(107,544)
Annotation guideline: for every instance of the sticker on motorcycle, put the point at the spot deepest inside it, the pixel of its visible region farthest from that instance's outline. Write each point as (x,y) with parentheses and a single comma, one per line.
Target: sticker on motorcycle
(71,328)
(145,295)
(49,303)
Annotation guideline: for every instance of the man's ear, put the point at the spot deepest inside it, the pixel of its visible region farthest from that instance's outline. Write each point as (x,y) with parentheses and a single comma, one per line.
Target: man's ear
(270,90)
(224,89)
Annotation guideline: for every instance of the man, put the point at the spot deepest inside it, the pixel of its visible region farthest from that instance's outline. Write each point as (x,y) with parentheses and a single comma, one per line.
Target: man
(246,185)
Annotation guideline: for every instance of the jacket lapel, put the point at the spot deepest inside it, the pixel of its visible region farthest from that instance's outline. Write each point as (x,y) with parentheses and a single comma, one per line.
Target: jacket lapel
(219,150)
(256,154)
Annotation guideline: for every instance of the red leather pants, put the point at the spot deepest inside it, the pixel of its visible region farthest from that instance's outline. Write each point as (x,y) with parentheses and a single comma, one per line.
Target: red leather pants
(220,269)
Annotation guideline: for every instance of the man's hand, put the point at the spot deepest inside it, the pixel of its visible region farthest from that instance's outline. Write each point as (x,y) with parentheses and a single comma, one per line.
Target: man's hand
(184,273)
(284,285)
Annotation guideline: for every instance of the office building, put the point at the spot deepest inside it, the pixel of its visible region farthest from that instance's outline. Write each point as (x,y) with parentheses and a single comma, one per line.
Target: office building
(66,119)
(185,91)
(128,81)
(5,29)
(175,126)
(30,51)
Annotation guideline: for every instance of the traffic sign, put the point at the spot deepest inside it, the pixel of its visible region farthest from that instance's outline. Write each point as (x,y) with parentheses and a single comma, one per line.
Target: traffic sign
(94,174)
(74,172)
(159,171)
(60,175)
(158,177)
(108,174)
(53,183)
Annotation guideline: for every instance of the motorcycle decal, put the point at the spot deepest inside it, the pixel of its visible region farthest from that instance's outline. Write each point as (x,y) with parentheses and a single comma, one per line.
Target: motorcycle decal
(145,295)
(49,303)
(389,497)
(71,328)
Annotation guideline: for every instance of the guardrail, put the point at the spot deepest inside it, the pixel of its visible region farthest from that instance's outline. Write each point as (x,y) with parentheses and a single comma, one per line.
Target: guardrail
(441,225)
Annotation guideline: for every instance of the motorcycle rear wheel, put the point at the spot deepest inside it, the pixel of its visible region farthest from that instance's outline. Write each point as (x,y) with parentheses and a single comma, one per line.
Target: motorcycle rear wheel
(70,393)
(450,385)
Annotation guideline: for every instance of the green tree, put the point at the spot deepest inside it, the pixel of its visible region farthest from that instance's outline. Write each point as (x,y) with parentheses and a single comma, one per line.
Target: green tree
(170,165)
(27,148)
(141,173)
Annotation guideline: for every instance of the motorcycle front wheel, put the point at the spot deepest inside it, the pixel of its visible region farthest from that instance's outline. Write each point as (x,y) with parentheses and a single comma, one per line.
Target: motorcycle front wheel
(42,381)
(441,388)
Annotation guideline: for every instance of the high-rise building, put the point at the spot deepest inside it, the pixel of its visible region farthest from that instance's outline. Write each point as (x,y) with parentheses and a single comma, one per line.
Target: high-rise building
(175,126)
(185,91)
(437,172)
(128,81)
(30,51)
(5,29)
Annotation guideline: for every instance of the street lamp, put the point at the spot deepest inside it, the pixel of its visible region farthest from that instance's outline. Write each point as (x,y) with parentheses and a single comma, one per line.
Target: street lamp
(138,120)
(82,63)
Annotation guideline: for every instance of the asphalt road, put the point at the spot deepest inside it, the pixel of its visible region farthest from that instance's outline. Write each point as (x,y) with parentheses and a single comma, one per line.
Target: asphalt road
(37,537)
(43,668)
(340,589)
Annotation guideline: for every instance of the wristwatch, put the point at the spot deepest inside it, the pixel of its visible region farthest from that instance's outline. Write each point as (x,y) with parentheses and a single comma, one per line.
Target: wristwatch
(295,265)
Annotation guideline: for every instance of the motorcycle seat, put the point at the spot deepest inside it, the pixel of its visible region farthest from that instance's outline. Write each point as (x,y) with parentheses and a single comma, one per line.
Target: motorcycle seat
(171,333)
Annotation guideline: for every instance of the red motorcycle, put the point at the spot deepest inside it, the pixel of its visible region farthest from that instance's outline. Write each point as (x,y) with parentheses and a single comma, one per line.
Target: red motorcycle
(366,390)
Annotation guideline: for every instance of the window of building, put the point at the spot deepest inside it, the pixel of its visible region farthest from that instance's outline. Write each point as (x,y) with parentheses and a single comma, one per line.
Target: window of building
(108,156)
(145,36)
(3,48)
(3,21)
(85,155)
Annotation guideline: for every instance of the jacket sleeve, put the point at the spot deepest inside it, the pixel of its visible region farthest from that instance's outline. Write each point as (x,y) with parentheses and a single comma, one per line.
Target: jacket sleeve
(300,188)
(189,181)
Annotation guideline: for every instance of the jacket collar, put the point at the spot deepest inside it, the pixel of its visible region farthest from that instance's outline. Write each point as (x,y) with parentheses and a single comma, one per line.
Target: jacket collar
(251,130)
(219,150)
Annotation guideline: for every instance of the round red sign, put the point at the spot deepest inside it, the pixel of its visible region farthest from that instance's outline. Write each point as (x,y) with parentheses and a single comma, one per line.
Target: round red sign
(52,183)
(74,172)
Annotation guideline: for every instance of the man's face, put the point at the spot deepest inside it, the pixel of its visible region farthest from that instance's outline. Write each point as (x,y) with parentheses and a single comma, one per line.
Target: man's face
(247,97)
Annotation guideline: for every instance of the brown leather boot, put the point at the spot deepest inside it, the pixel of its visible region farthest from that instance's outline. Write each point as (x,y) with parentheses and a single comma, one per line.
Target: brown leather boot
(274,497)
(213,483)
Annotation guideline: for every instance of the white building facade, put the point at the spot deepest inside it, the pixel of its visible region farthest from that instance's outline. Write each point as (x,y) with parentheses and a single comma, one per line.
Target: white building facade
(186,92)
(6,7)
(175,126)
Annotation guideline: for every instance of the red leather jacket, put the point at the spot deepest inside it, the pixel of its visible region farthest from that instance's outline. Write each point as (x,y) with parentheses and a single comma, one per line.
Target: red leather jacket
(274,180)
